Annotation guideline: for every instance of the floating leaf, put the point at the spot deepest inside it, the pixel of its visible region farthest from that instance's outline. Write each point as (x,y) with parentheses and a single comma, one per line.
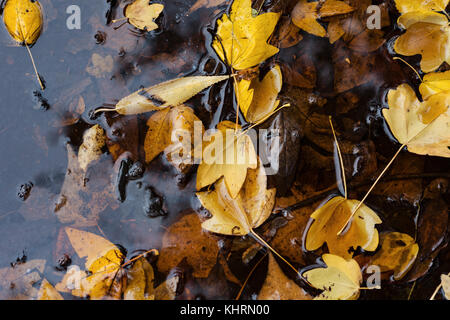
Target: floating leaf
(241,38)
(258,99)
(229,153)
(23,20)
(434,83)
(94,140)
(445,282)
(422,127)
(328,221)
(398,253)
(172,123)
(48,292)
(405,6)
(279,287)
(239,215)
(140,281)
(141,14)
(340,280)
(170,93)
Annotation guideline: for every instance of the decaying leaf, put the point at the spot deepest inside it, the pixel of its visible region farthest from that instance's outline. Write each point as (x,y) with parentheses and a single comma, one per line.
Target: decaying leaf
(185,239)
(170,93)
(205,4)
(241,39)
(306,14)
(241,214)
(140,281)
(340,280)
(23,20)
(398,253)
(422,126)
(48,292)
(279,287)
(94,140)
(229,154)
(168,124)
(141,14)
(258,99)
(20,279)
(100,66)
(328,221)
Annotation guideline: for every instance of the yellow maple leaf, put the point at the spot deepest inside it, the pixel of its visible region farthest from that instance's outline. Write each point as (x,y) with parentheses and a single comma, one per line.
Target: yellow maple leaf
(241,38)
(241,214)
(424,127)
(328,221)
(229,153)
(258,99)
(434,83)
(340,280)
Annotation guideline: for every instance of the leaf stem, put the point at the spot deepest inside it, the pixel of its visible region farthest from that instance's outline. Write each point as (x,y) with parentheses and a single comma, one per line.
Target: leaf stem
(34,66)
(248,277)
(341,161)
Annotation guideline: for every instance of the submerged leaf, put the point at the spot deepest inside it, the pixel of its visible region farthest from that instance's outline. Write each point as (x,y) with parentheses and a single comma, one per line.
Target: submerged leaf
(166,94)
(241,39)
(328,221)
(94,140)
(141,14)
(48,292)
(279,287)
(340,280)
(398,253)
(23,20)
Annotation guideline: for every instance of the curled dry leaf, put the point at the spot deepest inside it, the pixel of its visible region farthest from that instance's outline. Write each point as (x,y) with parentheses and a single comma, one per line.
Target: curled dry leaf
(94,140)
(422,126)
(48,292)
(172,131)
(229,154)
(23,20)
(170,93)
(279,287)
(241,214)
(241,39)
(340,280)
(185,239)
(258,99)
(398,253)
(141,14)
(328,221)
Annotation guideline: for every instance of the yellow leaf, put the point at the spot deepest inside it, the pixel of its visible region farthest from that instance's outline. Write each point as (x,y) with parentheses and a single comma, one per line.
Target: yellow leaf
(305,15)
(94,140)
(241,39)
(228,154)
(23,20)
(141,14)
(429,39)
(340,280)
(398,253)
(422,127)
(434,83)
(239,215)
(405,6)
(333,8)
(48,292)
(258,99)
(328,221)
(176,121)
(167,94)
(279,287)
(408,19)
